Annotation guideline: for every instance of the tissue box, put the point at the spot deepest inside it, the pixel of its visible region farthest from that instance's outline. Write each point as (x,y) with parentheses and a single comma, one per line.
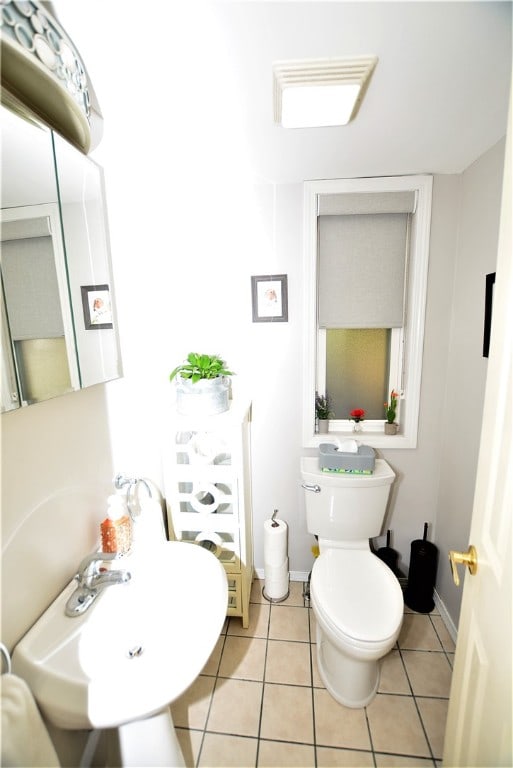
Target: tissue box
(360,463)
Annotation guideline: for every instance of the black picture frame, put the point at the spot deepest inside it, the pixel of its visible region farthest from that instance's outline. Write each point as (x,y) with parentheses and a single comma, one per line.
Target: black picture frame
(490,282)
(97,306)
(269,294)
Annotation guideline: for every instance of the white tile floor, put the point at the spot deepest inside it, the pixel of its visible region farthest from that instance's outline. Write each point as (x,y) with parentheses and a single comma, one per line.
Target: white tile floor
(260,702)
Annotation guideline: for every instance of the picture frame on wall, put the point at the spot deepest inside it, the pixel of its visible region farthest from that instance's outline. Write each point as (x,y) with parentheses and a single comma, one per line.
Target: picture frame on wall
(97,306)
(269,295)
(490,282)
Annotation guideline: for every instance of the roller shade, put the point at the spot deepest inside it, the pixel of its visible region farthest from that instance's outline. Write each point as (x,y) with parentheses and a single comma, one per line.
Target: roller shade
(20,229)
(362,270)
(31,289)
(346,204)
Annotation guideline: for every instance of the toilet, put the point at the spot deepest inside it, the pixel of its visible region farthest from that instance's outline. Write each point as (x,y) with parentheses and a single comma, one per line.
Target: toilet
(356,599)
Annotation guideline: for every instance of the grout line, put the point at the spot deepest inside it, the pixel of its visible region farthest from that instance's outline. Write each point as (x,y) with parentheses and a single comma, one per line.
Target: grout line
(441,652)
(416,705)
(440,641)
(415,700)
(405,670)
(424,729)
(224,636)
(406,755)
(279,640)
(263,686)
(370,737)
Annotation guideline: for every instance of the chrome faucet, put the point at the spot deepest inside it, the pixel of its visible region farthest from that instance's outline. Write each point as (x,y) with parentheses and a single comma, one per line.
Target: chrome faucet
(89,570)
(92,580)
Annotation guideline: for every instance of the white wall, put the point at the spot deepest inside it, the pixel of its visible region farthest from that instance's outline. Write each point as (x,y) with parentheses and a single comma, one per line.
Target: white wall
(465,376)
(56,474)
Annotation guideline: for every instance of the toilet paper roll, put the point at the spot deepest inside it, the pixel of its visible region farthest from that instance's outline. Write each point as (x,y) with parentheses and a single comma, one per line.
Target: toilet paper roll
(273,572)
(278,587)
(275,542)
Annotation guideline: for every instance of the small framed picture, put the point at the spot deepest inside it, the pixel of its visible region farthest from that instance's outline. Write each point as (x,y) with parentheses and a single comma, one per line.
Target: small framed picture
(97,306)
(490,282)
(269,297)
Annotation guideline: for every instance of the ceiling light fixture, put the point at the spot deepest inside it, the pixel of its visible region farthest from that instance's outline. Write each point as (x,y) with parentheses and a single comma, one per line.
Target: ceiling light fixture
(312,93)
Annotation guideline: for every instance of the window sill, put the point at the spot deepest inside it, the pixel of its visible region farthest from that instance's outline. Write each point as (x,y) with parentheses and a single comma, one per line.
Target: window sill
(376,439)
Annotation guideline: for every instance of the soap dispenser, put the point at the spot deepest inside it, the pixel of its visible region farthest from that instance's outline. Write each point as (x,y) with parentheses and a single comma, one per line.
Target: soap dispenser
(116,529)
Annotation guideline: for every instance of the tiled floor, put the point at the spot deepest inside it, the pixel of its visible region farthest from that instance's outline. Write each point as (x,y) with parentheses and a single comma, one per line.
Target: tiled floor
(260,702)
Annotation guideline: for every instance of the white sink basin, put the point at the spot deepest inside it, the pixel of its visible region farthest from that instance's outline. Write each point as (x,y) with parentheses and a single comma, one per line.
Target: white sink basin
(136,649)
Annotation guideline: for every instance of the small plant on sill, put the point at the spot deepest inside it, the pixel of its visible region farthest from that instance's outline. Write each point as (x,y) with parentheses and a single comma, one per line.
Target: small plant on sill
(391,408)
(323,406)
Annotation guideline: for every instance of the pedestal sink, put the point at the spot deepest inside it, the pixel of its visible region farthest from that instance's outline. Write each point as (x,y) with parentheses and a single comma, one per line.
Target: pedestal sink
(134,651)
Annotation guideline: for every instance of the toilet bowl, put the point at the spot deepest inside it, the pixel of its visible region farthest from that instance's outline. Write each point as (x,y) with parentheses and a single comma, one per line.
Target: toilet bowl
(356,598)
(358,607)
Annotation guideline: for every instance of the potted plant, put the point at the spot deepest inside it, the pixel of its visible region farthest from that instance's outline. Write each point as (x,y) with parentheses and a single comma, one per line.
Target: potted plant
(390,413)
(202,385)
(357,415)
(322,412)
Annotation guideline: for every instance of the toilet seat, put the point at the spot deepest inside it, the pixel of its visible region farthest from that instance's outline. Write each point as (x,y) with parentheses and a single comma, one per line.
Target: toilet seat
(357,596)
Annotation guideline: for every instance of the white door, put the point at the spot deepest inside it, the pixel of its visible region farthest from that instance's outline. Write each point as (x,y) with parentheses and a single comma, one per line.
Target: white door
(479,724)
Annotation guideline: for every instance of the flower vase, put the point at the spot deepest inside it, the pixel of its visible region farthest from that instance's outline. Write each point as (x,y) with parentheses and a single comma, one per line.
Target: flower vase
(357,427)
(390,428)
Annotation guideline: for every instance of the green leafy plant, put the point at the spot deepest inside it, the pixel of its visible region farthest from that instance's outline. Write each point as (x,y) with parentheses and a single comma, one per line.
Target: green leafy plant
(201,367)
(391,408)
(323,406)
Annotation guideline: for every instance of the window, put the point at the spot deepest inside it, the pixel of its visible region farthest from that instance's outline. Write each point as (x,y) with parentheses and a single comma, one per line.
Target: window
(364,305)
(353,366)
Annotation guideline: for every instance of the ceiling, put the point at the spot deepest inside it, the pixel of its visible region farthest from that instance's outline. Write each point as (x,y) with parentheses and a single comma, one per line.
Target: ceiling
(437,100)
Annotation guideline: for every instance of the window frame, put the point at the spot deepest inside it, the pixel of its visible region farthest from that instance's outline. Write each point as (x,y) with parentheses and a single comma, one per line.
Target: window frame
(413,334)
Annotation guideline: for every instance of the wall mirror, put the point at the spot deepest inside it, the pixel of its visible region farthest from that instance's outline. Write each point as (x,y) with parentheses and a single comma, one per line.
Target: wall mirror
(58,317)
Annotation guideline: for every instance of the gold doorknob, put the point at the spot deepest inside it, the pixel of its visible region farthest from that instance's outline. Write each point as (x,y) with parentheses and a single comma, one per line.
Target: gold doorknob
(467,558)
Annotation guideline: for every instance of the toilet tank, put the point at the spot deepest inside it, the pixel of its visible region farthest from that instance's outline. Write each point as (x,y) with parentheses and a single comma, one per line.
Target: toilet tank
(345,507)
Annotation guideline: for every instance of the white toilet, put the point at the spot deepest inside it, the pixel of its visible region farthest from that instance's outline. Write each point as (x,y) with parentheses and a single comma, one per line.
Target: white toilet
(357,600)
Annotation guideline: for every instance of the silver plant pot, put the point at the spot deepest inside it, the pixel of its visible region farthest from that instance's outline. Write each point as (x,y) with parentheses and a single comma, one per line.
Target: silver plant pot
(205,397)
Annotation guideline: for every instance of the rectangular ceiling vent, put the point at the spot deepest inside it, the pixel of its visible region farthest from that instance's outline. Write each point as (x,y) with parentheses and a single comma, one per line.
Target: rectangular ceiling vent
(313,93)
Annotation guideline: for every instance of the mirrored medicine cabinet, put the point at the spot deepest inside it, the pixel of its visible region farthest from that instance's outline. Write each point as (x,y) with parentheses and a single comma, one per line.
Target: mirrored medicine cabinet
(57,300)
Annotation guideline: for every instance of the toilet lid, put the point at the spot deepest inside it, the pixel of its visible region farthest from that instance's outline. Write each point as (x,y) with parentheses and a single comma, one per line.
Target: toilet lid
(357,594)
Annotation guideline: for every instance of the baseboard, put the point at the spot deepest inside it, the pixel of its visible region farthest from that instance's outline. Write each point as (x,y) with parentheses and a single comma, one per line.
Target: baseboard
(293,575)
(444,615)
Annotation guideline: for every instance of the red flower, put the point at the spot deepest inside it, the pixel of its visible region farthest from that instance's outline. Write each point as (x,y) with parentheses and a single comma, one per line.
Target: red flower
(358,414)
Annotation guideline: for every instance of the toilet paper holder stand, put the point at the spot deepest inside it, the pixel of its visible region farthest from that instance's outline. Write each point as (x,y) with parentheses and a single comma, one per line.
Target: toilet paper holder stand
(275,524)
(275,599)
